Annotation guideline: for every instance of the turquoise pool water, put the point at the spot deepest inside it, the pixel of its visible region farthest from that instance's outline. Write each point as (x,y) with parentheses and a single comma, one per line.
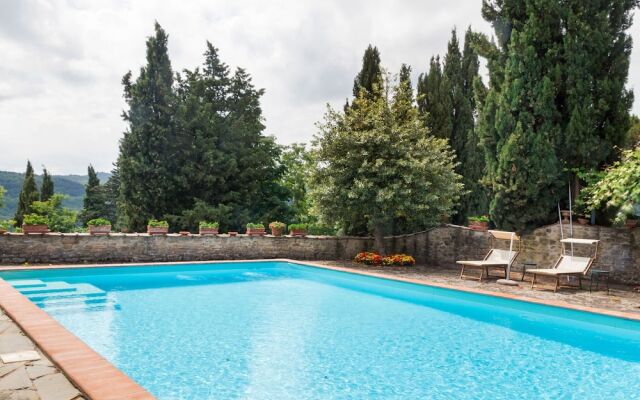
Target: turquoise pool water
(274,330)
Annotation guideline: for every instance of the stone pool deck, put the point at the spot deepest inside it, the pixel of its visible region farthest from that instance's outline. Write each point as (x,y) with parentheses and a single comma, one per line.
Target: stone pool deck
(620,299)
(30,380)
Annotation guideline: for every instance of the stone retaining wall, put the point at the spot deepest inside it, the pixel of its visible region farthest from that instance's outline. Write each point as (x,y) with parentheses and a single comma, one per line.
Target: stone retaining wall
(619,249)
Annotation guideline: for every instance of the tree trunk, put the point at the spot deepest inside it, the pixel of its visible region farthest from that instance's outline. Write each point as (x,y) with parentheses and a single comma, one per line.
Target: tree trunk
(378,238)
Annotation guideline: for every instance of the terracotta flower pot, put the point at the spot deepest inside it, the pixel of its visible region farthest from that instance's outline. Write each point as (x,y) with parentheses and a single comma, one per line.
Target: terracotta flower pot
(27,229)
(208,231)
(256,231)
(277,231)
(99,229)
(185,233)
(480,226)
(631,223)
(565,215)
(298,232)
(157,230)
(583,221)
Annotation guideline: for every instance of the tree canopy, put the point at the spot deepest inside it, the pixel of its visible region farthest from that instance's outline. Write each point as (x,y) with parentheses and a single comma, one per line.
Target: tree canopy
(377,162)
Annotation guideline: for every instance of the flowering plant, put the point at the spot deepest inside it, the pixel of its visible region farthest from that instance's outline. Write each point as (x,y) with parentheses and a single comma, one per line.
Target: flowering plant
(368,258)
(398,259)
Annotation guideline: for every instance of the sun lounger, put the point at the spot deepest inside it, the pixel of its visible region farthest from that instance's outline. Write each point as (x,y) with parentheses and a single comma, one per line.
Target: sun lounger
(495,258)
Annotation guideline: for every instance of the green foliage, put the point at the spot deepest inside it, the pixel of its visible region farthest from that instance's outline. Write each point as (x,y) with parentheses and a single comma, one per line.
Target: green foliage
(479,218)
(205,224)
(376,163)
(195,148)
(2,192)
(35,219)
(320,230)
(98,222)
(252,225)
(47,188)
(298,164)
(28,194)
(154,223)
(369,79)
(97,200)
(619,188)
(298,227)
(434,100)
(633,135)
(7,224)
(556,99)
(60,219)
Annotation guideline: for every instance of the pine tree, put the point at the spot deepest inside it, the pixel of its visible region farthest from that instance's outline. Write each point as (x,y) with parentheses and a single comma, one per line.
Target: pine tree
(28,195)
(46,191)
(147,161)
(369,78)
(434,100)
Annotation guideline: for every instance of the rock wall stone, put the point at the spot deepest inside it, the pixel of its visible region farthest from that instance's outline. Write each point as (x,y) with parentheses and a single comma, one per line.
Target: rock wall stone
(619,249)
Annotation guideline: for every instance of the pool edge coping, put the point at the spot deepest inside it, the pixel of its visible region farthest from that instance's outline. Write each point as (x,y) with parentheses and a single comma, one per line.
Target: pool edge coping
(99,379)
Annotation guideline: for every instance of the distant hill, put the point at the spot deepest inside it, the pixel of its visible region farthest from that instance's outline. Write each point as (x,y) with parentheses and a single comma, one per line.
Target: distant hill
(70,185)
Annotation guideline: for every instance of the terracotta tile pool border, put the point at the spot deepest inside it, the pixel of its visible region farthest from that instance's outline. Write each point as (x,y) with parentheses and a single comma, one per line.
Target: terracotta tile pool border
(100,380)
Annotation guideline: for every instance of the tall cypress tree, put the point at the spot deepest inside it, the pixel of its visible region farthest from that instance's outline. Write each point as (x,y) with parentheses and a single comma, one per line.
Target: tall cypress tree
(46,191)
(28,195)
(434,100)
(369,78)
(94,198)
(403,95)
(558,75)
(148,158)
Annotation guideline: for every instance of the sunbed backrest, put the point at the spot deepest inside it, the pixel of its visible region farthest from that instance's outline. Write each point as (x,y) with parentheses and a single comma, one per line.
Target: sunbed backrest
(499,255)
(574,264)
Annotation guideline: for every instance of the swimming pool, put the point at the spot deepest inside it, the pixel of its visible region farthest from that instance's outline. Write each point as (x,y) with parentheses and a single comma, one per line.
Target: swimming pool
(278,330)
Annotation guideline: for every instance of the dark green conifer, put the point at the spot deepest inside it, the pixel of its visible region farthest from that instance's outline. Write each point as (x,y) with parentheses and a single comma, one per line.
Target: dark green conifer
(28,195)
(46,191)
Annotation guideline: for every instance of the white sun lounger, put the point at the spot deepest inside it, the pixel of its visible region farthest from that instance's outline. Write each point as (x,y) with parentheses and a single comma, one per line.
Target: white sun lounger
(495,258)
(568,265)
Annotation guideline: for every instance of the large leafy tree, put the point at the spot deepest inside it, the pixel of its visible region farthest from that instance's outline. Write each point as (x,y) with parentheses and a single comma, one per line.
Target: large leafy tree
(298,165)
(376,161)
(148,158)
(47,189)
(28,195)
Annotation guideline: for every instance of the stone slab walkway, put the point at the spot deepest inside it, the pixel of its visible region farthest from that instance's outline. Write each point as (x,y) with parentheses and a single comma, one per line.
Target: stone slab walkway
(30,380)
(619,298)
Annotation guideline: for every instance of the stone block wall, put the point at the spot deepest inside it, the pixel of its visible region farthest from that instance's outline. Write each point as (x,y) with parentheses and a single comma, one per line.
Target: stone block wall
(619,249)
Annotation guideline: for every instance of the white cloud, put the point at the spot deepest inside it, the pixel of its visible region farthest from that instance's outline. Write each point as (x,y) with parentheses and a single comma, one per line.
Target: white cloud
(62,61)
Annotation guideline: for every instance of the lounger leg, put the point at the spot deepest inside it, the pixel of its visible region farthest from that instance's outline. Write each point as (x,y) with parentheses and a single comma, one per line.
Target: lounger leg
(533,281)
(462,272)
(579,282)
(555,289)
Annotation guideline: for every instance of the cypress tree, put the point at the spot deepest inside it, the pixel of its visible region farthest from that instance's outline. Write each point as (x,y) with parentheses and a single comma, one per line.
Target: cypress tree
(403,96)
(28,195)
(369,78)
(148,159)
(94,198)
(434,100)
(46,191)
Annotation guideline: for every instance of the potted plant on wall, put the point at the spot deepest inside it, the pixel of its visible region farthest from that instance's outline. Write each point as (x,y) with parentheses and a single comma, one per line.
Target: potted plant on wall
(255,229)
(209,228)
(298,230)
(479,223)
(155,227)
(5,225)
(34,223)
(277,228)
(99,226)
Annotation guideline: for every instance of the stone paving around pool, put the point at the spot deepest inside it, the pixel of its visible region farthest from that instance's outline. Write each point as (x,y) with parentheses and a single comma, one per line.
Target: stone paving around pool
(619,298)
(29,380)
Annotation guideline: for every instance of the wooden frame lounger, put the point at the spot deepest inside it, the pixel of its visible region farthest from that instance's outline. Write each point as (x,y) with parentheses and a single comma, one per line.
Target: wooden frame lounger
(495,258)
(567,264)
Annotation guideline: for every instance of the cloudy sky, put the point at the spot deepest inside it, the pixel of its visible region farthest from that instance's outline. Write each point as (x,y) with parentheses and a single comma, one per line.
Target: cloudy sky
(61,62)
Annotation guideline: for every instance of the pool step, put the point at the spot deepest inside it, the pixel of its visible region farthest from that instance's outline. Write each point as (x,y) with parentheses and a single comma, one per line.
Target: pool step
(79,290)
(49,287)
(27,283)
(78,304)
